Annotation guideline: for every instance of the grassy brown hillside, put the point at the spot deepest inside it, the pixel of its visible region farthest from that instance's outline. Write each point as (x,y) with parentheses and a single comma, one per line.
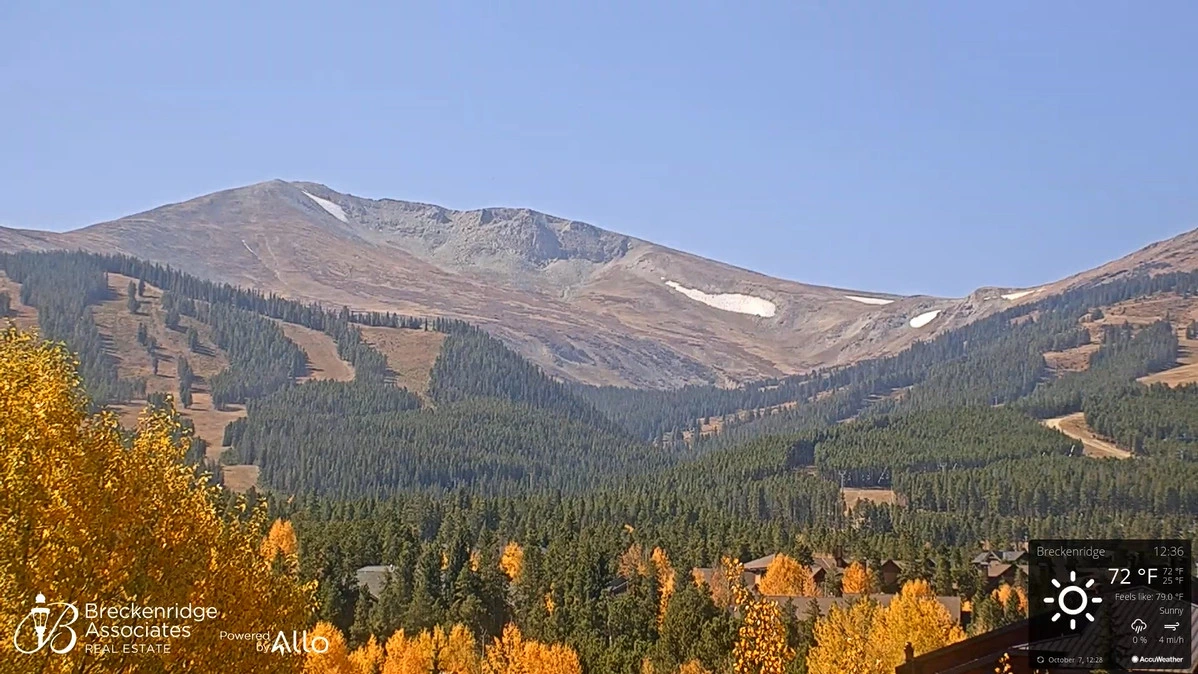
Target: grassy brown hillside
(584,303)
(410,354)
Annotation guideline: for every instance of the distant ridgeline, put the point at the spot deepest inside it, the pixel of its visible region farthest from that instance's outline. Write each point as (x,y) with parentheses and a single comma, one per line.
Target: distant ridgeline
(949,423)
(991,361)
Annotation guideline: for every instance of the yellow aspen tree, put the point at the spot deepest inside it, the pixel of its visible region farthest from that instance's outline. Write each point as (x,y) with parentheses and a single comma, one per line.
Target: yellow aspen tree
(335,660)
(845,641)
(785,576)
(761,645)
(856,580)
(432,651)
(916,617)
(88,515)
(512,654)
(511,562)
(280,540)
(505,653)
(665,580)
(726,580)
(394,652)
(459,654)
(1002,594)
(633,562)
(367,658)
(693,667)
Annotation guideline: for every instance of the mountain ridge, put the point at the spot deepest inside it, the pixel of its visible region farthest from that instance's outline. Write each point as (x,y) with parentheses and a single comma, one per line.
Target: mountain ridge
(585,303)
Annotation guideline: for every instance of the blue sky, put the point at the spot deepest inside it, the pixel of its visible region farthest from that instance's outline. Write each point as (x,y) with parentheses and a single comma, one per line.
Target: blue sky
(890,146)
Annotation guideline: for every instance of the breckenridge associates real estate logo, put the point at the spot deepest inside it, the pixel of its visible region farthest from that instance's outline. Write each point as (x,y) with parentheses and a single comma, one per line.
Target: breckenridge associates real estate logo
(100,629)
(130,628)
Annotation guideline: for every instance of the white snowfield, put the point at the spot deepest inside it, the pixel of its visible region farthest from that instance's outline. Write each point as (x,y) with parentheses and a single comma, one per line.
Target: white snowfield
(741,304)
(333,209)
(868,300)
(924,318)
(1021,293)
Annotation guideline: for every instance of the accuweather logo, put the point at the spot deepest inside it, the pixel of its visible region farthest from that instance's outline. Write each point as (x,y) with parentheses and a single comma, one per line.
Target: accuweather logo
(48,625)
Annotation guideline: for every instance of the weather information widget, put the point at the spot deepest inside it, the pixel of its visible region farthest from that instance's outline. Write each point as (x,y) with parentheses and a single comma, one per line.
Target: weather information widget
(1114,605)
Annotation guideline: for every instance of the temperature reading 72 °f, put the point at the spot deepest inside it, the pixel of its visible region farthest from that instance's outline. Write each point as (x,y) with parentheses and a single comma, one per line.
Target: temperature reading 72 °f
(1123,576)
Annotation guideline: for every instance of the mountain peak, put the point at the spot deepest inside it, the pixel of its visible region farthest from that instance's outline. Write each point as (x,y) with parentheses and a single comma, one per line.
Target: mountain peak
(583,302)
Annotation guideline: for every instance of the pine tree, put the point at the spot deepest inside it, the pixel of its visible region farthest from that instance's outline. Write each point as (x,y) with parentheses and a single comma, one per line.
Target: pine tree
(131,302)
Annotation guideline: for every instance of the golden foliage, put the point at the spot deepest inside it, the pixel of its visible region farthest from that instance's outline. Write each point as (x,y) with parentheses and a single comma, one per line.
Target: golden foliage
(368,658)
(693,667)
(86,516)
(333,661)
(869,639)
(1002,594)
(845,643)
(432,651)
(665,580)
(785,576)
(633,562)
(280,540)
(856,580)
(512,654)
(726,582)
(511,562)
(761,645)
(915,616)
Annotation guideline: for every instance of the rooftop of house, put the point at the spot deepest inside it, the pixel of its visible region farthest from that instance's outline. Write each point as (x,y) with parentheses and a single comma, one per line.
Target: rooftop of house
(374,578)
(802,605)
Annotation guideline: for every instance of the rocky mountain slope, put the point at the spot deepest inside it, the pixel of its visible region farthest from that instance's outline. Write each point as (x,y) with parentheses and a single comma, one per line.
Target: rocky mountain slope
(584,303)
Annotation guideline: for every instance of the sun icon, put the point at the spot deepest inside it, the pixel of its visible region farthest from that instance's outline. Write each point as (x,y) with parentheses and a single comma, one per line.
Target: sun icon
(1072,611)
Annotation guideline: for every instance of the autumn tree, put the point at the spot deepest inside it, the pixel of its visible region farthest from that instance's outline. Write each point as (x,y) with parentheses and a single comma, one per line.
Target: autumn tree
(915,616)
(434,650)
(856,580)
(368,658)
(786,577)
(725,578)
(335,660)
(511,653)
(844,641)
(870,639)
(280,540)
(633,562)
(761,641)
(89,514)
(511,562)
(666,577)
(1012,598)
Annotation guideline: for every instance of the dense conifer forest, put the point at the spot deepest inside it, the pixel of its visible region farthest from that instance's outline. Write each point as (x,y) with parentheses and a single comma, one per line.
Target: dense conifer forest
(501,495)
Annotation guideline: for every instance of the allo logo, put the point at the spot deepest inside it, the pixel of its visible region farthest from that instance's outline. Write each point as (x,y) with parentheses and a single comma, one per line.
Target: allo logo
(36,630)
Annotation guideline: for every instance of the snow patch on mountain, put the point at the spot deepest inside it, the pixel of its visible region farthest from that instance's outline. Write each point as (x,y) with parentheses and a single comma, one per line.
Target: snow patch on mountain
(1021,293)
(869,300)
(741,304)
(332,208)
(924,318)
